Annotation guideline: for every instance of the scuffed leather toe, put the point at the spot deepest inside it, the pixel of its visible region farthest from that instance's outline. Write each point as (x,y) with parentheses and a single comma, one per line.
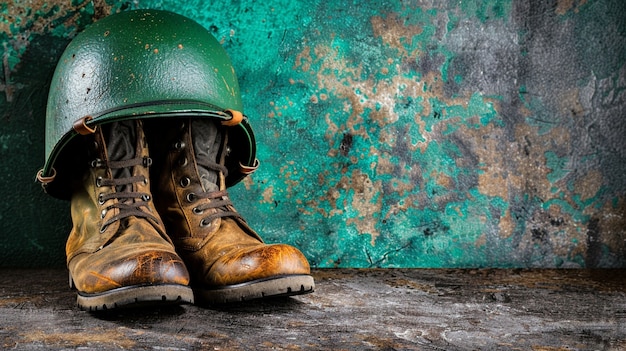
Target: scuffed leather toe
(146,268)
(255,263)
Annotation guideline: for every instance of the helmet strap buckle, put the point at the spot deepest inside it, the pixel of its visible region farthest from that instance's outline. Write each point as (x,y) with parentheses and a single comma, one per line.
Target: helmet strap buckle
(46,179)
(235,118)
(81,127)
(247,170)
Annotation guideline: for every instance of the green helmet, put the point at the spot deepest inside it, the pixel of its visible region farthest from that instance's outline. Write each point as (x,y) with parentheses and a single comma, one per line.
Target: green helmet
(141,64)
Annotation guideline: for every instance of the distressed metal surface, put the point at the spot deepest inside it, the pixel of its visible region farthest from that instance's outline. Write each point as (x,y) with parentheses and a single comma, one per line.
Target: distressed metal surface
(402,134)
(541,310)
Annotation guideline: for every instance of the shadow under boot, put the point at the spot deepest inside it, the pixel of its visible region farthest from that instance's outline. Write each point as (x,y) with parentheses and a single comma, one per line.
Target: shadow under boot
(227,260)
(118,253)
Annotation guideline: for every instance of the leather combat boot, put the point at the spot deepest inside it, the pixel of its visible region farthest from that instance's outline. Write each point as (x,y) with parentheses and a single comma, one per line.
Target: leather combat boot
(118,253)
(226,259)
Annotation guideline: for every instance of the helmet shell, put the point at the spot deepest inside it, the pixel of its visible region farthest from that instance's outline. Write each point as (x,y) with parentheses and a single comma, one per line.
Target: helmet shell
(141,64)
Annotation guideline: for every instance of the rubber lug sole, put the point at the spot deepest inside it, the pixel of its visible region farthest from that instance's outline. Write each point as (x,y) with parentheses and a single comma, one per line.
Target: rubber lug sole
(136,296)
(257,289)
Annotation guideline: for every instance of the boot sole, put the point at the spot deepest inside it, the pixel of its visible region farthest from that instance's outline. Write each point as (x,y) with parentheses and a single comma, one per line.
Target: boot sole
(136,296)
(257,289)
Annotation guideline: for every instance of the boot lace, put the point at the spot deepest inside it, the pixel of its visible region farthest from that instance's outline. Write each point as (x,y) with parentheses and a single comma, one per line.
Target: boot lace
(216,199)
(129,202)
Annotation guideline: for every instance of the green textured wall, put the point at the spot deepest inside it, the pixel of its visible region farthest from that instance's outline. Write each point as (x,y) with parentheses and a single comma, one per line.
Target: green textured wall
(391,134)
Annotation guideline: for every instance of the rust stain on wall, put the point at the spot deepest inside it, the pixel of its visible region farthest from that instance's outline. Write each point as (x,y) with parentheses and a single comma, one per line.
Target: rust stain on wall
(588,185)
(366,201)
(563,6)
(394,32)
(528,159)
(37,16)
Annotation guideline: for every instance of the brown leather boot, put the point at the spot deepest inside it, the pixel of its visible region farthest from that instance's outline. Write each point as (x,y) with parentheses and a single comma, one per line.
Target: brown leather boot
(227,260)
(118,253)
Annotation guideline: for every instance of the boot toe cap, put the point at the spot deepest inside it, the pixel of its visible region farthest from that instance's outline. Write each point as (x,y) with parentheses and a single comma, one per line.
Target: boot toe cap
(149,268)
(262,262)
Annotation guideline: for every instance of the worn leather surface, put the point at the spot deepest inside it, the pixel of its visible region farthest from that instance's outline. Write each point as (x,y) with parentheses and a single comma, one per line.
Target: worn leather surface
(226,250)
(131,251)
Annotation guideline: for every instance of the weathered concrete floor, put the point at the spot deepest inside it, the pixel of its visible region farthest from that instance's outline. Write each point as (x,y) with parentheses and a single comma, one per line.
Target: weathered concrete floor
(350,310)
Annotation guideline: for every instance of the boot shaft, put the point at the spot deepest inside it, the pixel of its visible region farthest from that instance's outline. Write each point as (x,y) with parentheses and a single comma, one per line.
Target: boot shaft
(114,190)
(189,172)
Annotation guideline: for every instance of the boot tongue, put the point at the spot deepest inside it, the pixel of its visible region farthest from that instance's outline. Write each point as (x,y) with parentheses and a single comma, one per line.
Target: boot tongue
(121,138)
(207,142)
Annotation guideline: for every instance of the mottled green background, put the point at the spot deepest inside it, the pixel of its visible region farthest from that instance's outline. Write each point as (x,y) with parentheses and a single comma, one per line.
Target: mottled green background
(391,134)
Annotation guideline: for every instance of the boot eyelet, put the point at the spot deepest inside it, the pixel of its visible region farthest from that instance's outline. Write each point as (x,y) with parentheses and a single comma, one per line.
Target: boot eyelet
(182,162)
(101,199)
(195,210)
(96,163)
(103,213)
(99,182)
(145,181)
(103,228)
(204,223)
(184,182)
(145,197)
(179,145)
(190,197)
